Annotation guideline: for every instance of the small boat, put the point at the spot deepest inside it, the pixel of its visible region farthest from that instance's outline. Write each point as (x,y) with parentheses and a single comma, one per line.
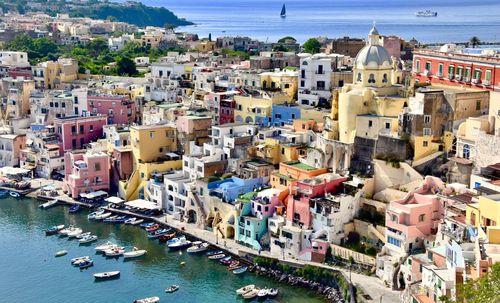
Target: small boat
(114,252)
(251,294)
(245,289)
(283,11)
(102,216)
(74,233)
(134,253)
(153,227)
(172,288)
(65,231)
(178,243)
(158,233)
(86,264)
(77,259)
(197,247)
(262,293)
(148,300)
(130,220)
(182,263)
(48,204)
(87,239)
(167,237)
(137,221)
(426,13)
(147,224)
(93,215)
(234,264)
(61,253)
(107,275)
(80,236)
(240,270)
(3,193)
(216,257)
(214,252)
(74,209)
(14,194)
(105,246)
(272,292)
(226,260)
(110,219)
(54,230)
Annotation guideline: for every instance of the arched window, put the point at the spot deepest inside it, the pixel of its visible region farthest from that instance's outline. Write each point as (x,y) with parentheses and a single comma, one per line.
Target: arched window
(371,78)
(466,152)
(384,79)
(359,77)
(304,63)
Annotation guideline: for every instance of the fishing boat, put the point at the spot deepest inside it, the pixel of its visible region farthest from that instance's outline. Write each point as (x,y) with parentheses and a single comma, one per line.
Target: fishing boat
(263,293)
(178,243)
(167,237)
(251,294)
(102,216)
(153,227)
(87,239)
(214,252)
(234,264)
(148,300)
(137,222)
(135,253)
(216,257)
(245,289)
(14,194)
(74,209)
(75,232)
(226,260)
(48,204)
(86,264)
(158,233)
(76,261)
(240,270)
(197,247)
(107,275)
(283,11)
(61,253)
(272,292)
(54,230)
(114,252)
(105,246)
(93,215)
(172,288)
(426,13)
(147,224)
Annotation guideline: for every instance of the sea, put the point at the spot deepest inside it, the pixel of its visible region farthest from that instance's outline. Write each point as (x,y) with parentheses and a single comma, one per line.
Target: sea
(457,20)
(29,271)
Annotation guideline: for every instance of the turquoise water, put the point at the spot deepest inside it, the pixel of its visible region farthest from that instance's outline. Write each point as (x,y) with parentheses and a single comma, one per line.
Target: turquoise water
(31,273)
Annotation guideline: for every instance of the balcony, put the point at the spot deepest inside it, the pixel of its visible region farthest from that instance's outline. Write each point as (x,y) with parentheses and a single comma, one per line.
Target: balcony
(466,79)
(476,81)
(318,72)
(458,77)
(486,83)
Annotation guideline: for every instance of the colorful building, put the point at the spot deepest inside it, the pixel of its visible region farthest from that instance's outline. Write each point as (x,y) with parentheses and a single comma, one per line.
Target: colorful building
(119,108)
(257,109)
(76,132)
(86,172)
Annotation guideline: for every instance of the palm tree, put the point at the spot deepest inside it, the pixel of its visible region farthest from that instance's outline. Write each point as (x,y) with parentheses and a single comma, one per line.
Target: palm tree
(474,41)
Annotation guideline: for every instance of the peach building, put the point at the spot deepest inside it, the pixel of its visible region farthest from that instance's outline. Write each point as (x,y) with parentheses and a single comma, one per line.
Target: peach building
(86,172)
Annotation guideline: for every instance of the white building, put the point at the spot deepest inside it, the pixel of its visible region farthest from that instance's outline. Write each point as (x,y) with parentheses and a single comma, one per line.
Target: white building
(315,79)
(14,59)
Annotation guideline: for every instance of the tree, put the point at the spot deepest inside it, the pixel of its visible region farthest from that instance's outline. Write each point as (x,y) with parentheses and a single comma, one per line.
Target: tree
(474,41)
(286,39)
(126,67)
(483,290)
(97,46)
(209,36)
(312,46)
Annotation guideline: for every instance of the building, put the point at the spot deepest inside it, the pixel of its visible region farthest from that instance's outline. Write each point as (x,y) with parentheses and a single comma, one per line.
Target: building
(13,59)
(450,65)
(256,109)
(119,108)
(10,149)
(315,80)
(86,171)
(75,132)
(51,74)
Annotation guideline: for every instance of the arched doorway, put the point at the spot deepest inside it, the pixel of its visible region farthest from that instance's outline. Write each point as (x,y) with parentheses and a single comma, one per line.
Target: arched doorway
(192,216)
(229,232)
(466,152)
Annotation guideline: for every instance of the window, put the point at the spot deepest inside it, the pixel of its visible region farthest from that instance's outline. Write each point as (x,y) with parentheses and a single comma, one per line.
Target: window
(477,74)
(427,119)
(417,66)
(302,73)
(384,79)
(421,218)
(97,166)
(467,73)
(370,123)
(91,128)
(440,69)
(487,76)
(428,66)
(302,83)
(293,116)
(427,132)
(387,125)
(75,99)
(478,105)
(371,78)
(151,135)
(73,129)
(409,261)
(359,77)
(393,241)
(425,144)
(82,129)
(451,72)
(282,151)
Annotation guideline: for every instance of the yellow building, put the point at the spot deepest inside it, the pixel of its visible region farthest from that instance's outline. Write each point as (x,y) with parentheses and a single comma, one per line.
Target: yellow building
(153,150)
(286,81)
(254,109)
(373,92)
(485,214)
(205,46)
(152,40)
(50,74)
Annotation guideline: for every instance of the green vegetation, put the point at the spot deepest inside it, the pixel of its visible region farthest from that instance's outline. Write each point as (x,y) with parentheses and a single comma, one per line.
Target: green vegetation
(233,53)
(372,217)
(312,46)
(94,57)
(389,158)
(354,242)
(474,41)
(131,12)
(287,39)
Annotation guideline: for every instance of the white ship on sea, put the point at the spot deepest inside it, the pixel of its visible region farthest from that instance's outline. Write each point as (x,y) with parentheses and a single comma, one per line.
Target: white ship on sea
(426,13)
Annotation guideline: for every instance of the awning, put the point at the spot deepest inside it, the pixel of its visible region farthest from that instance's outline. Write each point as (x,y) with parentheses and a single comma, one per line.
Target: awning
(141,203)
(95,194)
(114,200)
(9,170)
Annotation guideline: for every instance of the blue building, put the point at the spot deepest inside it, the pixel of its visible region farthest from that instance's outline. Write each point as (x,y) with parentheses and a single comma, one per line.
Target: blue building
(230,189)
(284,114)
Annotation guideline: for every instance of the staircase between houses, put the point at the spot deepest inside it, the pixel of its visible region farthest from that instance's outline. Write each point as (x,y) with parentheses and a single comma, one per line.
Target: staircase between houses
(376,232)
(198,203)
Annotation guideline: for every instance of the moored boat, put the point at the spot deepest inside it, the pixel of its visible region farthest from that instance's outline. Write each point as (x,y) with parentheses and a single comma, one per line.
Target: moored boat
(102,216)
(54,230)
(65,231)
(234,264)
(87,239)
(131,220)
(74,260)
(262,293)
(114,252)
(75,232)
(107,275)
(74,209)
(272,292)
(172,288)
(48,204)
(135,253)
(83,235)
(167,237)
(197,247)
(153,227)
(105,246)
(216,257)
(178,243)
(86,264)
(14,194)
(158,233)
(251,294)
(61,253)
(214,252)
(226,260)
(245,289)
(240,270)
(93,215)
(137,222)
(147,224)
(148,300)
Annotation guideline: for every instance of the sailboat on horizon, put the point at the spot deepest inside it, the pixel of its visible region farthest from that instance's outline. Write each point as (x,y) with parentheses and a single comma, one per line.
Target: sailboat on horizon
(283,11)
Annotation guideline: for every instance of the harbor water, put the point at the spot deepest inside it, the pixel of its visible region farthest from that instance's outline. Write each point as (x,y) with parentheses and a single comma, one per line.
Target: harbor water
(31,273)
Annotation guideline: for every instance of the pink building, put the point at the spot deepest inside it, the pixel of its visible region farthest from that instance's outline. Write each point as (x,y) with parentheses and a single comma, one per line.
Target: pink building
(298,208)
(414,217)
(86,172)
(119,108)
(75,132)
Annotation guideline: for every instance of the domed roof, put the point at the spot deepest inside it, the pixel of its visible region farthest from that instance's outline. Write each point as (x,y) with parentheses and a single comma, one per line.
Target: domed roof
(373,54)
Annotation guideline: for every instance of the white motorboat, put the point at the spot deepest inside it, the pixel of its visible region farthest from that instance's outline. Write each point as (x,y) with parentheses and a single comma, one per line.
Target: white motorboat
(148,300)
(197,247)
(87,239)
(105,246)
(64,232)
(102,216)
(130,220)
(134,253)
(245,289)
(75,232)
(93,215)
(80,261)
(61,253)
(114,252)
(178,243)
(83,235)
(272,292)
(251,294)
(137,222)
(107,275)
(263,293)
(79,258)
(48,204)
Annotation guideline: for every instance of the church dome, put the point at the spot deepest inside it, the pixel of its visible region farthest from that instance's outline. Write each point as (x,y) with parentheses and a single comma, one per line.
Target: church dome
(373,55)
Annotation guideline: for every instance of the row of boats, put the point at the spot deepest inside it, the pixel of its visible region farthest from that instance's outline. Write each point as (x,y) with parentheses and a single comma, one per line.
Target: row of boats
(233,265)
(251,291)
